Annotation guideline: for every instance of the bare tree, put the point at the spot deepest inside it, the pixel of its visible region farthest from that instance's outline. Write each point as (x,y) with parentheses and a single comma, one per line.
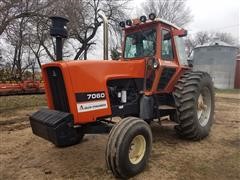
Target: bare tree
(38,39)
(10,10)
(5,72)
(175,11)
(225,37)
(35,49)
(17,36)
(200,38)
(204,37)
(85,23)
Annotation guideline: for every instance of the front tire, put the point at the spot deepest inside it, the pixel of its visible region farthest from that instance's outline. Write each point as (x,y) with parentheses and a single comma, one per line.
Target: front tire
(194,97)
(128,148)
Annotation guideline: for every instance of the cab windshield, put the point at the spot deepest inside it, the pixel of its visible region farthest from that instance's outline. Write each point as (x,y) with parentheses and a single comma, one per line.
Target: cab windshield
(140,44)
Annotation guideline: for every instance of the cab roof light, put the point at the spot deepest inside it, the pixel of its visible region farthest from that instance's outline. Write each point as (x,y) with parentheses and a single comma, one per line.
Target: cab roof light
(152,16)
(129,22)
(143,19)
(122,24)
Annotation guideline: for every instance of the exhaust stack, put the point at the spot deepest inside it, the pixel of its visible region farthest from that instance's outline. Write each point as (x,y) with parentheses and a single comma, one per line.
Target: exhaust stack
(105,35)
(59,30)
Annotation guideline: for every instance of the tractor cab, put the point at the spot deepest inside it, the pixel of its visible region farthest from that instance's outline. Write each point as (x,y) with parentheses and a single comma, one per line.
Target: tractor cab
(153,38)
(161,44)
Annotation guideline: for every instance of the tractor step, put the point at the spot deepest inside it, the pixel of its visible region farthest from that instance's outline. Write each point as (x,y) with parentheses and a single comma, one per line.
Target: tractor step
(166,107)
(165,110)
(165,121)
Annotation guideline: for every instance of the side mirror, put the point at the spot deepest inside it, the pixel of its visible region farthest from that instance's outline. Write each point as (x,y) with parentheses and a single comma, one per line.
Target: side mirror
(180,32)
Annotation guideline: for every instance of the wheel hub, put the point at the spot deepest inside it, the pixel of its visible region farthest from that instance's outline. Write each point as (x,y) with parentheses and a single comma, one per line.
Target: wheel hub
(204,107)
(137,149)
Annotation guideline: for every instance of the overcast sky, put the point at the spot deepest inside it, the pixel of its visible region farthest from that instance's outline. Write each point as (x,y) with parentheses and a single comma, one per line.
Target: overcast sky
(210,15)
(215,15)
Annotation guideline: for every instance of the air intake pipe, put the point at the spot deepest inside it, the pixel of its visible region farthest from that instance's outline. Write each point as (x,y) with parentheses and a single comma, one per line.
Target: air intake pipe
(59,30)
(105,35)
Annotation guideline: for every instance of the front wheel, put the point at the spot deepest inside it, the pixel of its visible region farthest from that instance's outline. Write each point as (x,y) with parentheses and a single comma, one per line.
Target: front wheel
(128,148)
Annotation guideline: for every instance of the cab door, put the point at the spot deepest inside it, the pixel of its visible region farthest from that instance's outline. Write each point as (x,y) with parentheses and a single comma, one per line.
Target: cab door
(168,59)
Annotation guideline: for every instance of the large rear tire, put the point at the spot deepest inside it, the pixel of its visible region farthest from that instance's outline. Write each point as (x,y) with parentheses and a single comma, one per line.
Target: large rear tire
(128,148)
(194,97)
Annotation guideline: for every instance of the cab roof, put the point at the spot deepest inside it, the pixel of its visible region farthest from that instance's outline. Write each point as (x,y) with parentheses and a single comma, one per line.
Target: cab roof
(168,23)
(137,22)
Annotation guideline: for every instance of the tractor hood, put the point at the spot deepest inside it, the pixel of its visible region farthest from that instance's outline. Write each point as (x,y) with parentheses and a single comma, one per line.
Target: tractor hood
(86,77)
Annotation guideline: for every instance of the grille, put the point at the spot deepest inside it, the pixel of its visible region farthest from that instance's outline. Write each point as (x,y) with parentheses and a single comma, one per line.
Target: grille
(58,90)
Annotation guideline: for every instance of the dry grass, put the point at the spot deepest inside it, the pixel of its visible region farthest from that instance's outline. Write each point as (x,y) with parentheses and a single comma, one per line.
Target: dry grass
(18,107)
(21,101)
(228,93)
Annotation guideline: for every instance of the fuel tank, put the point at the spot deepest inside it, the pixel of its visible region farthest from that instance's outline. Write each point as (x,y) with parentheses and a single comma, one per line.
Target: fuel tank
(80,87)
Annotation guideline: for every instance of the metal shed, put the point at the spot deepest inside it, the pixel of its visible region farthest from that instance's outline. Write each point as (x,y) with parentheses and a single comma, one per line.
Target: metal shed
(219,60)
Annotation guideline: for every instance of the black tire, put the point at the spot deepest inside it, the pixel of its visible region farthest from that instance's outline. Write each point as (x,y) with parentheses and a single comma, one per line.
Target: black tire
(194,121)
(120,143)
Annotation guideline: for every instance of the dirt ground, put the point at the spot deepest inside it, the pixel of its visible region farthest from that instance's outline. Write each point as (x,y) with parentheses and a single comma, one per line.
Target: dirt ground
(25,156)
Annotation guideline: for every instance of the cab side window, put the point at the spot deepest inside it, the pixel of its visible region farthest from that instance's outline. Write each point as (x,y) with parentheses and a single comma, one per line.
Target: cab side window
(167,49)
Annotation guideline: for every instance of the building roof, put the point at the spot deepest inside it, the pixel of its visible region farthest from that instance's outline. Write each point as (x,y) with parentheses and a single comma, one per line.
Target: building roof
(215,43)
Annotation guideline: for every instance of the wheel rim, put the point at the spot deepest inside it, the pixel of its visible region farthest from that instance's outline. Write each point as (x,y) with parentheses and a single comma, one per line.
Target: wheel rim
(137,149)
(204,107)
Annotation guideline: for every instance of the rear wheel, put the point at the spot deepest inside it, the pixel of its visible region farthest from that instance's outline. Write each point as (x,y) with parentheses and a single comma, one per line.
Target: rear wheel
(194,97)
(128,148)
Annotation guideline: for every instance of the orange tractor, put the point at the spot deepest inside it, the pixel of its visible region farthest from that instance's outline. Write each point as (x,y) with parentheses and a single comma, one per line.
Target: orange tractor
(152,79)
